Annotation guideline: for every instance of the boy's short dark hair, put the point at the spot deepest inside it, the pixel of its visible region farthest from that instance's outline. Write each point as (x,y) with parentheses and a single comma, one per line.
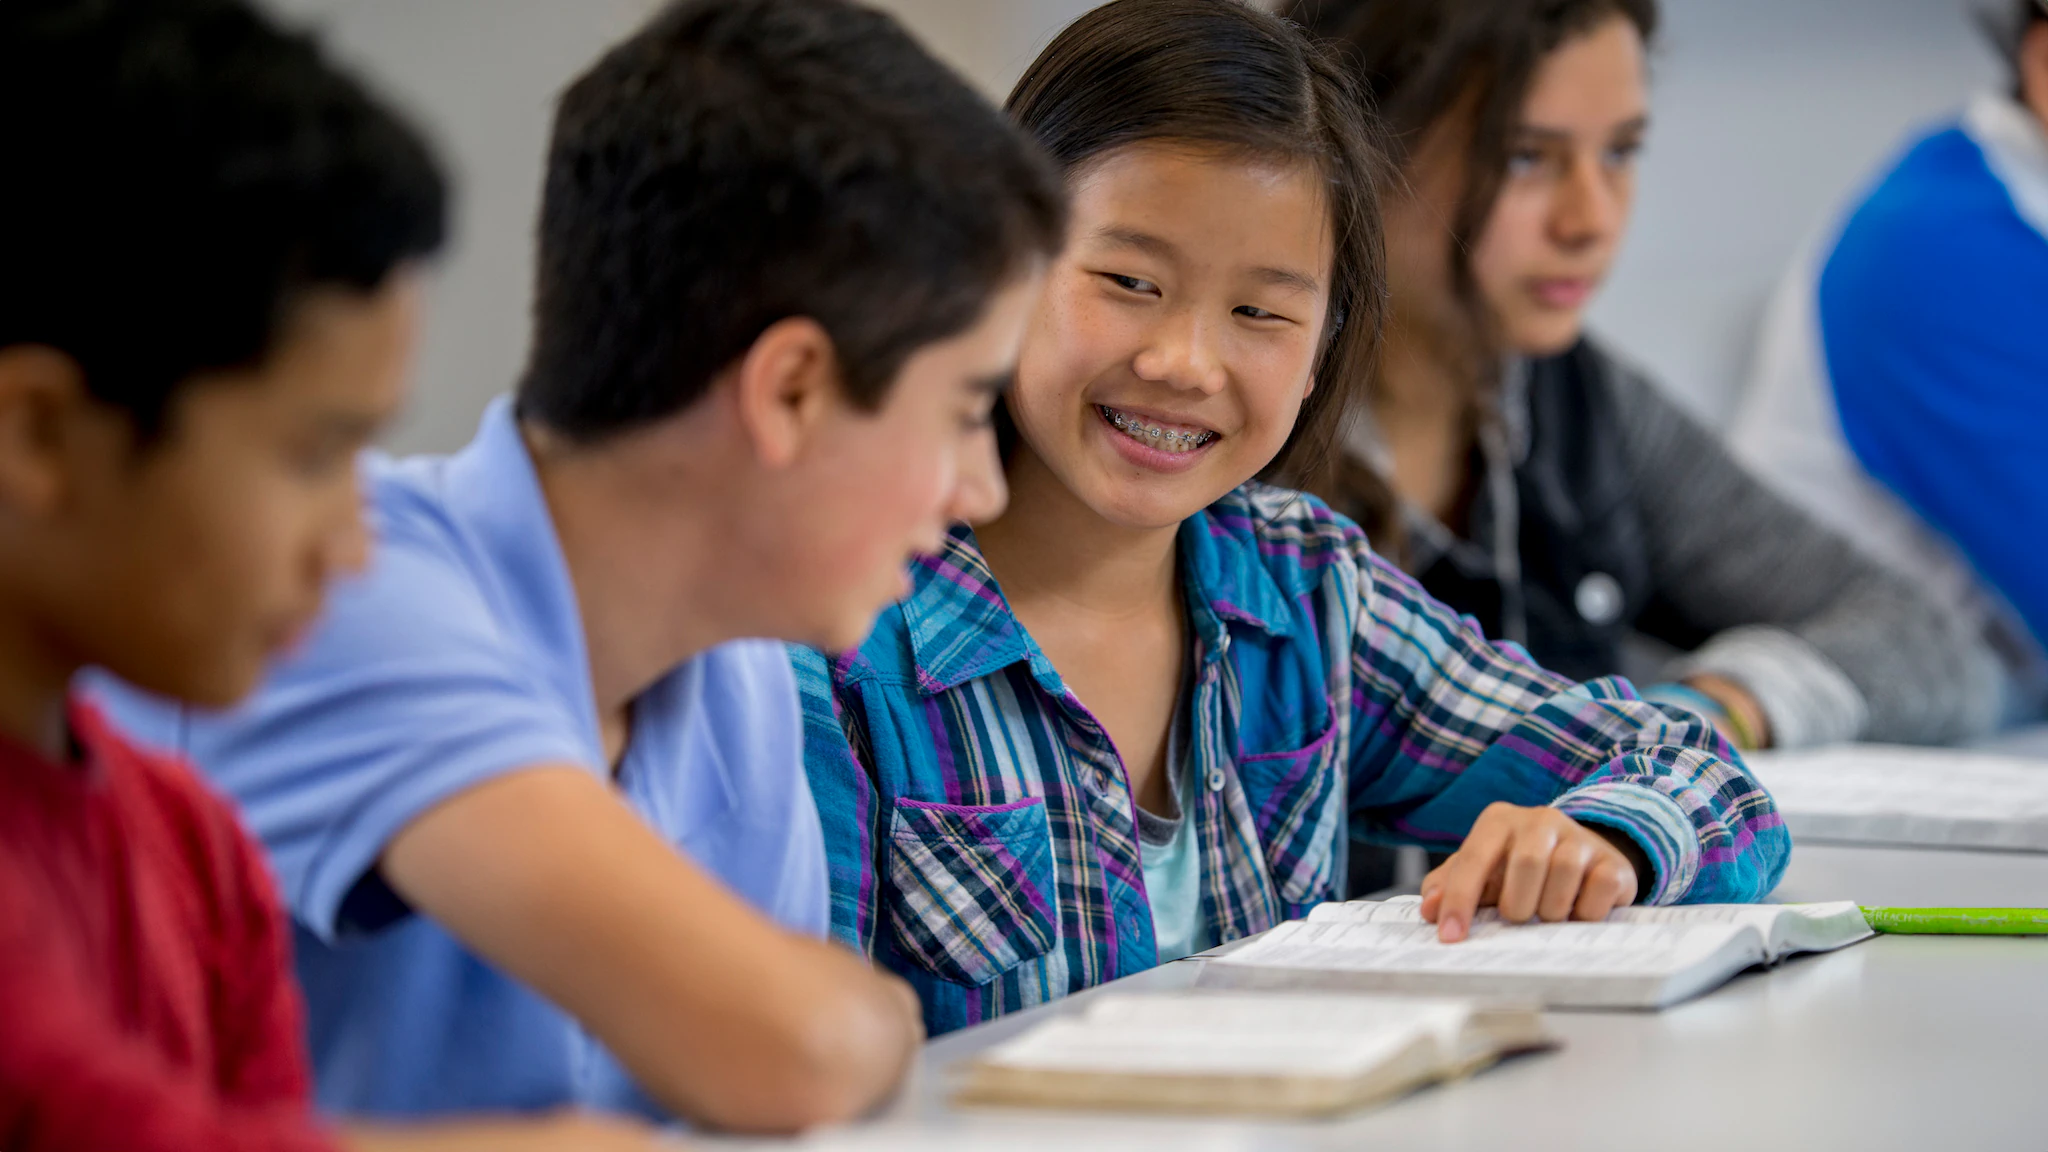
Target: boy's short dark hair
(739,162)
(177,171)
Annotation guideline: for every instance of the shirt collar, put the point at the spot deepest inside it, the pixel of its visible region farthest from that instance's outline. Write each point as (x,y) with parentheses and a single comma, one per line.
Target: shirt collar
(961,627)
(2015,148)
(491,488)
(1223,560)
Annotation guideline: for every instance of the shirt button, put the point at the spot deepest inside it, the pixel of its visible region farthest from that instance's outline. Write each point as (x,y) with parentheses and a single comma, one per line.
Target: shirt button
(1215,779)
(1599,599)
(1103,780)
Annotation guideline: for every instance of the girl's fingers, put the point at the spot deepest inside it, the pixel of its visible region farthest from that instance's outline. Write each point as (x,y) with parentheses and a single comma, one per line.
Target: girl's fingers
(1528,863)
(1569,865)
(1610,883)
(1465,875)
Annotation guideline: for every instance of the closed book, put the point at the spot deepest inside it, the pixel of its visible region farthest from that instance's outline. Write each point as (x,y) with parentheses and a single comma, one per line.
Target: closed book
(1287,1054)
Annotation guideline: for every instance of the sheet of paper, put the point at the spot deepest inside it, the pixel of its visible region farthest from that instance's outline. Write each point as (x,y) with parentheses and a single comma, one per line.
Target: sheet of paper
(1493,948)
(1075,1045)
(1238,1033)
(1408,910)
(1225,1014)
(1883,794)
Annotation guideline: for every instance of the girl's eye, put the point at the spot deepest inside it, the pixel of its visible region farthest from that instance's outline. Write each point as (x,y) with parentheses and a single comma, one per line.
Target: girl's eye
(1255,313)
(1133,284)
(1524,162)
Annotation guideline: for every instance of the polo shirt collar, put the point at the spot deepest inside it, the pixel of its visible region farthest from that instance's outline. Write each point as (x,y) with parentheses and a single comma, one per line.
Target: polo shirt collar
(491,488)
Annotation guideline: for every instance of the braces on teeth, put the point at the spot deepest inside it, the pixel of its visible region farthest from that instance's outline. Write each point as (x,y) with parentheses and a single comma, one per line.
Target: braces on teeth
(1161,436)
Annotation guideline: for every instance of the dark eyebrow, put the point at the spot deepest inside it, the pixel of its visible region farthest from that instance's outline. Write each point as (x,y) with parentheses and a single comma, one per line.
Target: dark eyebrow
(1636,126)
(1142,241)
(1288,278)
(1165,250)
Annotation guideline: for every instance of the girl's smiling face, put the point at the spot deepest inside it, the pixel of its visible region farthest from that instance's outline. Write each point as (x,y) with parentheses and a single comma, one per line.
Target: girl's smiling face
(1178,332)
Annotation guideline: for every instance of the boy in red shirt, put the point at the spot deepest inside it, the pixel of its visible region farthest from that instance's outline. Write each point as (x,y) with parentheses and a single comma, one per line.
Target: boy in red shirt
(208,284)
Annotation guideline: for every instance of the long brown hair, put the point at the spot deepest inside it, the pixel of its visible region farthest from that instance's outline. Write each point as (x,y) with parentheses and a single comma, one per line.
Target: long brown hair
(1419,62)
(1221,73)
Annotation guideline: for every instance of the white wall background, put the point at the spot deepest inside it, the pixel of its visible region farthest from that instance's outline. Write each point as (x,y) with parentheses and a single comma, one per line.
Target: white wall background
(1767,113)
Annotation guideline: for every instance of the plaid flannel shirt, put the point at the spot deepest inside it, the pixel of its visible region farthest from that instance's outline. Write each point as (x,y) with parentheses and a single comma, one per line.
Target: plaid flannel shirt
(979,825)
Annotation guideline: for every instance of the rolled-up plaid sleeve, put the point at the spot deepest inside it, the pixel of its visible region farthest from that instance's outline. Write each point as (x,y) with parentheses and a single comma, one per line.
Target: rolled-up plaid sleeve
(1445,722)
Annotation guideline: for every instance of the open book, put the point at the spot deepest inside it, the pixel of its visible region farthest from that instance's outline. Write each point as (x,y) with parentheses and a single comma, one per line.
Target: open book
(1636,958)
(1281,1053)
(1884,794)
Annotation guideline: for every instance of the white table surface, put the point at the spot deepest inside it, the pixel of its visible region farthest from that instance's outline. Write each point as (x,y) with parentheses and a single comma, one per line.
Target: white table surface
(1899,1042)
(2020,741)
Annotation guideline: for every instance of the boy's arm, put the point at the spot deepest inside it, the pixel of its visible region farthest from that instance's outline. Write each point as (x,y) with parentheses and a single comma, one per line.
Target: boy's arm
(719,1014)
(259,1028)
(411,739)
(1447,724)
(564,1132)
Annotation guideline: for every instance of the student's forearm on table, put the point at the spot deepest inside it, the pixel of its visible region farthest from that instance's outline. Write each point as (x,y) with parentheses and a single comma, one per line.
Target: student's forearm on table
(722,1016)
(1745,713)
(564,1132)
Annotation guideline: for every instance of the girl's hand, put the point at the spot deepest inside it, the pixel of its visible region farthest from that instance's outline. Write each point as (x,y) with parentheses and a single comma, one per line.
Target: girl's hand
(1532,862)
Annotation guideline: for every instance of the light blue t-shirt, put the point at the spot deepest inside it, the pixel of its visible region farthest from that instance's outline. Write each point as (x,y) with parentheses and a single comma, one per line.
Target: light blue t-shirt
(458,657)
(1168,856)
(1173,883)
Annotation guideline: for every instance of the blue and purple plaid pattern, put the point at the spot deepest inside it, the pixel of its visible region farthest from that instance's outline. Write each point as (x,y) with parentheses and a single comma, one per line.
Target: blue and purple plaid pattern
(978,821)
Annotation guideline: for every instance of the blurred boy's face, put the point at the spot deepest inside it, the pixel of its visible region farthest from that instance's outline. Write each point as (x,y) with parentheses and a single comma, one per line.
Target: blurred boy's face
(184,564)
(883,487)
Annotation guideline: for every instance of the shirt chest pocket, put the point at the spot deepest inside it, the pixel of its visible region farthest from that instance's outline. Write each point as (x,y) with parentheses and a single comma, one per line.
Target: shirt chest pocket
(973,887)
(1296,799)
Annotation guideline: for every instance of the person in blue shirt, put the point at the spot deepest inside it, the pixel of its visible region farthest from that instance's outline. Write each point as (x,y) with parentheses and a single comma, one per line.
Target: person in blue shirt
(1901,381)
(538,811)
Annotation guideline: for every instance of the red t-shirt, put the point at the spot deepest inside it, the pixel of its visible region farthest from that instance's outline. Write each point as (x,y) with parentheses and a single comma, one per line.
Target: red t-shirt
(146,998)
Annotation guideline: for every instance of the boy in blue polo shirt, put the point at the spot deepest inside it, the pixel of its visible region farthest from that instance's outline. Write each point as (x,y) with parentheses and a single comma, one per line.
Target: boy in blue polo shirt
(540,815)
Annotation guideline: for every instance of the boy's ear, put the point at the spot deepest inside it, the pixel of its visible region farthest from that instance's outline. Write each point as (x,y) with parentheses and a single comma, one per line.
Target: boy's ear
(42,391)
(787,385)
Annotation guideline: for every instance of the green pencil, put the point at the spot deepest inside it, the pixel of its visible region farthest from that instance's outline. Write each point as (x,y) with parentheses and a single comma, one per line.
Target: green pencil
(1958,921)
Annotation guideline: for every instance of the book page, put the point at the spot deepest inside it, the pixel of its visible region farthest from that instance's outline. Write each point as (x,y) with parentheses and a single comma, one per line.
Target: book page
(1408,910)
(1398,910)
(1235,1034)
(1885,794)
(1783,928)
(1493,948)
(1224,1015)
